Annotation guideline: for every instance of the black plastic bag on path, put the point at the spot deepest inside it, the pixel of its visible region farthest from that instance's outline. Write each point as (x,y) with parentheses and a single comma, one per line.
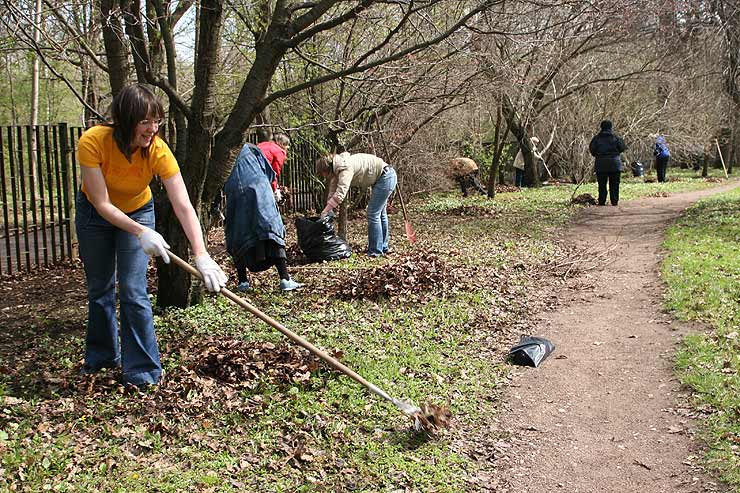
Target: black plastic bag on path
(531,351)
(318,241)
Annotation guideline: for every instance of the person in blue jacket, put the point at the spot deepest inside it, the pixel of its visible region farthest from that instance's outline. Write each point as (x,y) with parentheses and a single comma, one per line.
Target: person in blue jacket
(662,155)
(255,233)
(606,148)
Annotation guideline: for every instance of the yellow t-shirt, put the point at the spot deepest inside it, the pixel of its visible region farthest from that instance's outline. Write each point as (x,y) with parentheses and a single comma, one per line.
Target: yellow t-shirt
(127,182)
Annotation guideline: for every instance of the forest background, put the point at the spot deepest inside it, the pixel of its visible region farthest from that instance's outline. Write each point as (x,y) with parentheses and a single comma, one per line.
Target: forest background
(415,82)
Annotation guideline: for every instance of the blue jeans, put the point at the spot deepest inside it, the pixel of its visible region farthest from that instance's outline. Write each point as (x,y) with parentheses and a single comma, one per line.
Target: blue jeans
(377,214)
(107,253)
(518,177)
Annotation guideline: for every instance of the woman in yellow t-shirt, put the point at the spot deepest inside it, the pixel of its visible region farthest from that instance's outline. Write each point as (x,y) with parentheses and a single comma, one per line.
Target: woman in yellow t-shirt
(115,228)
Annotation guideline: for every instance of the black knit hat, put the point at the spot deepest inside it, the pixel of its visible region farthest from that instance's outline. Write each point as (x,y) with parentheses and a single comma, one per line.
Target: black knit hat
(606,125)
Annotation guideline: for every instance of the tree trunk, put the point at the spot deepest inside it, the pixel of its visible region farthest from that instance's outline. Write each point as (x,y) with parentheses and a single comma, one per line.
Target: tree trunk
(342,220)
(522,134)
(35,77)
(210,160)
(175,286)
(89,93)
(497,147)
(115,49)
(733,144)
(725,146)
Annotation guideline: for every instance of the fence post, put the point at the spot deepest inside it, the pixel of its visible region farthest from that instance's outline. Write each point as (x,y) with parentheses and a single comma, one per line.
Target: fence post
(69,210)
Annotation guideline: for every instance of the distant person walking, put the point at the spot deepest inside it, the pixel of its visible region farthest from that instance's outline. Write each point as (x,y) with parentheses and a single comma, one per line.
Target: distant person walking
(606,147)
(662,155)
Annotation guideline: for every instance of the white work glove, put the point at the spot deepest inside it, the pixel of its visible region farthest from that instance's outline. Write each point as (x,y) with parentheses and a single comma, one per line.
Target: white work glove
(278,196)
(213,277)
(153,244)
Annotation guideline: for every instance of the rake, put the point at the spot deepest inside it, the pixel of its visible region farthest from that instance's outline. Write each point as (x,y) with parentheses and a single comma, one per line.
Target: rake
(410,233)
(427,419)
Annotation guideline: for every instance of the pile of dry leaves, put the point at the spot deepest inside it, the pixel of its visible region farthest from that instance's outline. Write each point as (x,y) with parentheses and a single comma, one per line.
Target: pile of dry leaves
(584,199)
(247,364)
(409,276)
(208,381)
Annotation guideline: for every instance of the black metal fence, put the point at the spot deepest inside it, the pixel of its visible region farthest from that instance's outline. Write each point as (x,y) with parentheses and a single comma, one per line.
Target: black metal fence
(39,177)
(37,183)
(297,174)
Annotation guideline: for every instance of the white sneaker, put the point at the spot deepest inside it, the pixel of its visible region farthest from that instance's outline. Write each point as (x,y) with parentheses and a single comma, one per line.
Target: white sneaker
(289,284)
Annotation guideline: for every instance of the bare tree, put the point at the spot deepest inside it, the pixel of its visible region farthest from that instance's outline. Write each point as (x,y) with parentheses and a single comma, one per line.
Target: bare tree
(207,146)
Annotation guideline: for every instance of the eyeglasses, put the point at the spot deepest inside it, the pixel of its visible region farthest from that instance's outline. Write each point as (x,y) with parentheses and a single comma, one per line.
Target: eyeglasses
(156,122)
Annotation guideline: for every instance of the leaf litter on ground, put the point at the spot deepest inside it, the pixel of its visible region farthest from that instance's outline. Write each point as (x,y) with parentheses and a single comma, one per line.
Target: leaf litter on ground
(415,274)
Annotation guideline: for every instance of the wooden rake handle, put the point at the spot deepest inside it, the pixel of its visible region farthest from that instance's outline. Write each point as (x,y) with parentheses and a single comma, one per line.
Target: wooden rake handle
(403,204)
(333,362)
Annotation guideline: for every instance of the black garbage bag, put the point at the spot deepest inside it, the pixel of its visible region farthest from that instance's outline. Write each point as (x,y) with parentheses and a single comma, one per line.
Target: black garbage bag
(637,168)
(318,241)
(531,351)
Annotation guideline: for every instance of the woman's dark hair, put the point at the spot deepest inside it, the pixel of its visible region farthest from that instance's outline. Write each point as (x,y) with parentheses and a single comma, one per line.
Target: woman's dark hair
(606,125)
(133,104)
(264,134)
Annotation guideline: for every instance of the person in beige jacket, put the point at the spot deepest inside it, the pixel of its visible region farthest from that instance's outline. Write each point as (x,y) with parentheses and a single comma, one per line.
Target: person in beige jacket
(465,172)
(362,171)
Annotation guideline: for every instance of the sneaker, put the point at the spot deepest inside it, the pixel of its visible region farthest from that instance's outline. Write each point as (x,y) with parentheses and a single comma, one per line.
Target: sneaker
(243,287)
(289,284)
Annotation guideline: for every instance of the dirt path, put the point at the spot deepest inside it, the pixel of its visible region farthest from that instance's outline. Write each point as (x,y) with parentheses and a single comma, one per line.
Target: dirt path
(604,413)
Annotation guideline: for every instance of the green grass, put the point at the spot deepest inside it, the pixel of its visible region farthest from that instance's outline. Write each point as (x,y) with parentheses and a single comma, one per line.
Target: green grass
(325,434)
(703,276)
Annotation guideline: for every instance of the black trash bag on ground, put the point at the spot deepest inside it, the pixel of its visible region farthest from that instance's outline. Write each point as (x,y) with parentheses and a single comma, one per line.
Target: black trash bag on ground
(531,351)
(318,241)
(637,168)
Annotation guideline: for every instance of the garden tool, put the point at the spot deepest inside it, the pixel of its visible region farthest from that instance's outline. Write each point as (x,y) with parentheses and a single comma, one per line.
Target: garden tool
(428,419)
(410,233)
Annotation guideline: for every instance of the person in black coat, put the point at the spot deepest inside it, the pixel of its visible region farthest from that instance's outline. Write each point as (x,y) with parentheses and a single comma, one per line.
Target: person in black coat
(606,147)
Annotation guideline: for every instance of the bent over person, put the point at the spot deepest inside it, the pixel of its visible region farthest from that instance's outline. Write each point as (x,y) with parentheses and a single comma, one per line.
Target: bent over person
(255,233)
(275,149)
(115,228)
(465,172)
(363,171)
(606,148)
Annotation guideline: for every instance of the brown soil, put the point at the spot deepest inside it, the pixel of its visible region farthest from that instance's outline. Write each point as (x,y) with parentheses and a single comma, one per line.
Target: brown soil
(604,413)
